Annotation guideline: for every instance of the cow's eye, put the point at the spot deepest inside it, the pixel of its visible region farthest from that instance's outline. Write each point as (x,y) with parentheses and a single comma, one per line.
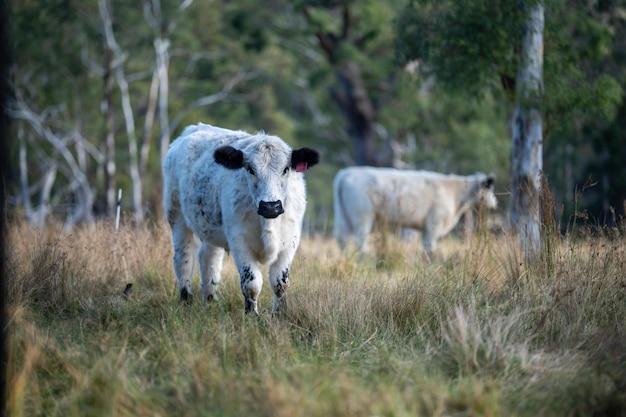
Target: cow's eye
(250,170)
(286,170)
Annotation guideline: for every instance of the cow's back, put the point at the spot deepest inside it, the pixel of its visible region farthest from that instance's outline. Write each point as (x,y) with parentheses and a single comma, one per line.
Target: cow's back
(213,200)
(396,196)
(191,152)
(194,143)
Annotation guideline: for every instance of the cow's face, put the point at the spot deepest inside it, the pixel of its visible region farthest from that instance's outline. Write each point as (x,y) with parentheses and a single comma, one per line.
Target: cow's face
(267,169)
(486,195)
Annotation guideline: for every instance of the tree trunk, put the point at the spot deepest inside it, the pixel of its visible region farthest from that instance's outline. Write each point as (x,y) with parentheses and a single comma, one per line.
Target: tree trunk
(77,170)
(44,209)
(161,47)
(36,218)
(85,195)
(352,98)
(149,122)
(526,130)
(350,93)
(133,163)
(24,187)
(109,154)
(127,110)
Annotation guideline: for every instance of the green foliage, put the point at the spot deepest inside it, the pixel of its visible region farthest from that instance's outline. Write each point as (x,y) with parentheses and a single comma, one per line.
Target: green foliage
(473,47)
(469,45)
(452,134)
(472,50)
(448,107)
(579,87)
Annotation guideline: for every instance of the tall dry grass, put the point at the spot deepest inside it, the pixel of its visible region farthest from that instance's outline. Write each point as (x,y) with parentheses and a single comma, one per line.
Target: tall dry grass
(477,331)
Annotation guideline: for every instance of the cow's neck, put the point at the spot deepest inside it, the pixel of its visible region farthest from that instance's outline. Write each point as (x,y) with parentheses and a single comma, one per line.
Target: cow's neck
(270,233)
(466,195)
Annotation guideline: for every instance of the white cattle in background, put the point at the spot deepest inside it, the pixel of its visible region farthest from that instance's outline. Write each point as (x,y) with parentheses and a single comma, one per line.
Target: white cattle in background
(422,200)
(237,192)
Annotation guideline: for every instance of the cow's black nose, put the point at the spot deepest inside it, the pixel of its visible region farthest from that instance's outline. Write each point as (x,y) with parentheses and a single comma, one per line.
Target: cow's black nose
(270,209)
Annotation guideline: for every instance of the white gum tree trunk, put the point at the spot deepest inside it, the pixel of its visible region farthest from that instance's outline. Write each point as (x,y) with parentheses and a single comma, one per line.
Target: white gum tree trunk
(109,140)
(129,119)
(527,135)
(75,167)
(161,47)
(149,122)
(133,163)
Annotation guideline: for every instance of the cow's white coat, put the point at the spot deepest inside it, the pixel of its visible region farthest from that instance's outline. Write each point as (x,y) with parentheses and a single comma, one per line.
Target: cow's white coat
(422,200)
(219,206)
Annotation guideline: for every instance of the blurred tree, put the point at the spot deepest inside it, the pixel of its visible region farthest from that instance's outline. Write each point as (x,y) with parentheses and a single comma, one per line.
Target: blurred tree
(584,146)
(271,65)
(481,47)
(527,132)
(353,38)
(62,50)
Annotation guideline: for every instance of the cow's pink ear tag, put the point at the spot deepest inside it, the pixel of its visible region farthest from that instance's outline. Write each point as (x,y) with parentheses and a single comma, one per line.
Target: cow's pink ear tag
(301,166)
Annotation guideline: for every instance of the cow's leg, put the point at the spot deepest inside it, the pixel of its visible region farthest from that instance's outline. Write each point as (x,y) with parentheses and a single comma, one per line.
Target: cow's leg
(362,218)
(341,236)
(432,232)
(407,234)
(363,231)
(251,279)
(279,278)
(341,228)
(438,223)
(251,283)
(429,241)
(211,260)
(184,260)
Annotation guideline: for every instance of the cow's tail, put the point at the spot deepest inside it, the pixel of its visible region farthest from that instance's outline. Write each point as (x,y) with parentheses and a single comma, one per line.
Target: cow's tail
(342,227)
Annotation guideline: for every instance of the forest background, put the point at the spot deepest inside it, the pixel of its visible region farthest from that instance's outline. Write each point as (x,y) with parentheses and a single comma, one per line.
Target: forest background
(101,87)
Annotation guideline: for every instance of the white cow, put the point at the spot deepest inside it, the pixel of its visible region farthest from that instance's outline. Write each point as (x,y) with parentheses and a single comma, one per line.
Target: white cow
(237,192)
(427,201)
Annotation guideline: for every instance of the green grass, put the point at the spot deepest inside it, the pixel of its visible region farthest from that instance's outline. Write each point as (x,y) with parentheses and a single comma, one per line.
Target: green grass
(475,332)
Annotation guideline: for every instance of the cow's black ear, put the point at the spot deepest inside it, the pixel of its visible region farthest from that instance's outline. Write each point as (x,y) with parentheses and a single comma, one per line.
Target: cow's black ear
(229,157)
(304,158)
(488,182)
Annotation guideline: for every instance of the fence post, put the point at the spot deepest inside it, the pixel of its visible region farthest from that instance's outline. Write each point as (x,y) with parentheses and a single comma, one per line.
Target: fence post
(118,209)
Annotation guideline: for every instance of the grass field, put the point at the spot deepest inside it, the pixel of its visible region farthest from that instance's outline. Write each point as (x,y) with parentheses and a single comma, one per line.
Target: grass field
(476,332)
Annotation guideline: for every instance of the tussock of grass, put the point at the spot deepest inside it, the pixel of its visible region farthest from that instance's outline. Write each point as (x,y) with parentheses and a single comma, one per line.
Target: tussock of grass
(476,331)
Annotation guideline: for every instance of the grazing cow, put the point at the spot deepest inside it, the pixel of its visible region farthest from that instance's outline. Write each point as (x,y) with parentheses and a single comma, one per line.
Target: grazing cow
(237,192)
(427,201)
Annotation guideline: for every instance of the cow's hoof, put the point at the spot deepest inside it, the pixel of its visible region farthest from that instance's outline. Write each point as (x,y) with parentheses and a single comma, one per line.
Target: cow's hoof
(251,308)
(210,298)
(128,290)
(185,296)
(278,306)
